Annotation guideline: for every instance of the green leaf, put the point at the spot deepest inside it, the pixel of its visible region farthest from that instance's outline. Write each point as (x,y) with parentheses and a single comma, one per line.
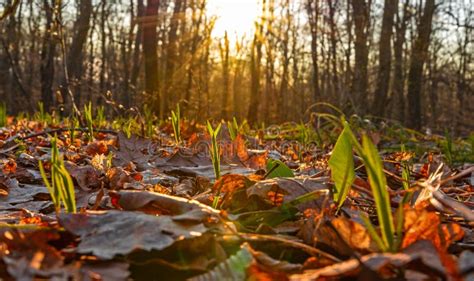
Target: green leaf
(215,154)
(373,233)
(233,268)
(342,167)
(277,168)
(48,185)
(378,183)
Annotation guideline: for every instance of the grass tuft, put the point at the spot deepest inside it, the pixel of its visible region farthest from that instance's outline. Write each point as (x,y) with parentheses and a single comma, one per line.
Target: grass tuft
(61,187)
(175,122)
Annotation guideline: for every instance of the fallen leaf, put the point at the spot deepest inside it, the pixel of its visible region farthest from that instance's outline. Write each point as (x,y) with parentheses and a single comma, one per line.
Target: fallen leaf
(134,149)
(421,224)
(156,203)
(421,256)
(9,167)
(112,233)
(87,177)
(354,234)
(274,192)
(27,254)
(97,147)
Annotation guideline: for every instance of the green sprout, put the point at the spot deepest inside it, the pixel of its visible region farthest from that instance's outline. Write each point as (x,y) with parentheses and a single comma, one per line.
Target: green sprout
(148,116)
(447,148)
(100,118)
(127,128)
(3,114)
(74,126)
(61,187)
(89,120)
(42,114)
(233,128)
(215,153)
(175,122)
(343,176)
(215,157)
(378,183)
(405,171)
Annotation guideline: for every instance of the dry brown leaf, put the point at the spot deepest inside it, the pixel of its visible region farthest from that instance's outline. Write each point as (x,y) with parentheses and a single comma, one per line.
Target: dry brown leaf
(421,224)
(354,234)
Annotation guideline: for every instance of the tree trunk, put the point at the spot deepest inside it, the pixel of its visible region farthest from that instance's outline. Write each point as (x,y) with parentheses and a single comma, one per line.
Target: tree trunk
(75,54)
(418,58)
(399,76)
(270,45)
(171,55)
(48,51)
(461,84)
(103,46)
(332,24)
(197,7)
(137,44)
(255,69)
(224,53)
(385,58)
(360,79)
(150,52)
(312,10)
(348,53)
(285,57)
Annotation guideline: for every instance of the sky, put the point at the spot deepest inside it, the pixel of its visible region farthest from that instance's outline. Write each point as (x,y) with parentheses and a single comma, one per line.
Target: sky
(237,17)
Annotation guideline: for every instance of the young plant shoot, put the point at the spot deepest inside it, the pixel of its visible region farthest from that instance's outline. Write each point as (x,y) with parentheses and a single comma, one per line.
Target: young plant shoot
(61,187)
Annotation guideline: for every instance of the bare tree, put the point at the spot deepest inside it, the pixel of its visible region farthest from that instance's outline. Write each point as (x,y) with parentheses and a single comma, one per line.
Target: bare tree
(48,52)
(224,49)
(399,75)
(150,52)
(171,52)
(360,81)
(75,54)
(312,9)
(419,55)
(385,58)
(255,67)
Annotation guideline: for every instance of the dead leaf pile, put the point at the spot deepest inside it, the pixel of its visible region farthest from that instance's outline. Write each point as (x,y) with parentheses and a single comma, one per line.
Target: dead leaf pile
(152,210)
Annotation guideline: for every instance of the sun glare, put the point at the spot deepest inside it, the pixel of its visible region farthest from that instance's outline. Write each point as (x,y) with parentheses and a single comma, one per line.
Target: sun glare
(237,17)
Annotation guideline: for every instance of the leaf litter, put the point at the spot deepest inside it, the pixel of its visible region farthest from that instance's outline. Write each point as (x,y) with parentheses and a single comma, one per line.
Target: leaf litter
(280,210)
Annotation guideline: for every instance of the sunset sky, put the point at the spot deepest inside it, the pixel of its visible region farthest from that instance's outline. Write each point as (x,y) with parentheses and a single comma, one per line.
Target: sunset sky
(234,16)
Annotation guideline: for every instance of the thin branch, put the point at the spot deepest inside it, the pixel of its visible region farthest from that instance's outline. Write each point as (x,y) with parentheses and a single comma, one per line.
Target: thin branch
(9,10)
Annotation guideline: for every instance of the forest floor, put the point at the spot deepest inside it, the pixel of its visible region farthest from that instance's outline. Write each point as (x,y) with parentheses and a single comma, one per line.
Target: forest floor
(327,200)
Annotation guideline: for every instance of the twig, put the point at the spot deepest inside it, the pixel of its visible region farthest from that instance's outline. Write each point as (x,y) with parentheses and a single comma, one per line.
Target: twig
(308,249)
(3,151)
(46,132)
(457,176)
(8,10)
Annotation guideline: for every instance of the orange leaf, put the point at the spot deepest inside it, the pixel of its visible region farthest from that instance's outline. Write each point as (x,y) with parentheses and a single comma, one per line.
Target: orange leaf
(9,167)
(421,224)
(230,183)
(241,148)
(97,147)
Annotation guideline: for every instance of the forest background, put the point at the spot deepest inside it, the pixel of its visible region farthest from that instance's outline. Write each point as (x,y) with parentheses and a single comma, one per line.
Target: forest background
(409,61)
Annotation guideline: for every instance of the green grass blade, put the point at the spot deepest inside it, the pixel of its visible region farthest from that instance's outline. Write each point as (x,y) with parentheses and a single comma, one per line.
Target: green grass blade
(70,197)
(399,226)
(378,184)
(373,233)
(48,185)
(59,187)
